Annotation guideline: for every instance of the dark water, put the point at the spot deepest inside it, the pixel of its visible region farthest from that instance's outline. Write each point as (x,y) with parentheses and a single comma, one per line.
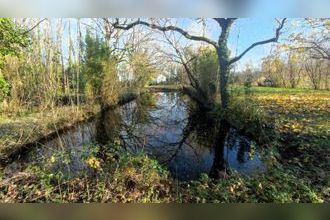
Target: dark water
(165,126)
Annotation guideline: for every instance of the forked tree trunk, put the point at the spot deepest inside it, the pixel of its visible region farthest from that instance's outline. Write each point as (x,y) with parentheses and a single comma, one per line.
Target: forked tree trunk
(221,46)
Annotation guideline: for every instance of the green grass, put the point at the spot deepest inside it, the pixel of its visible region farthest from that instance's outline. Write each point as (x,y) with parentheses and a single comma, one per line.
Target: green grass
(118,176)
(286,91)
(276,186)
(302,119)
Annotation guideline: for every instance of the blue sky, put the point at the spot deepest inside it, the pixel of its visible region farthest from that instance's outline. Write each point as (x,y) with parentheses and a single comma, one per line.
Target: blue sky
(244,32)
(247,31)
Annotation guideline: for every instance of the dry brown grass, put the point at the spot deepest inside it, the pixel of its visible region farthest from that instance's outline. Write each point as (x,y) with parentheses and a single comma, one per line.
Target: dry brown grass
(19,130)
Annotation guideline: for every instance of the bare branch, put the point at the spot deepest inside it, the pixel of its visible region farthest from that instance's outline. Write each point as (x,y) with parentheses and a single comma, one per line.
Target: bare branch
(36,25)
(166,28)
(274,39)
(192,79)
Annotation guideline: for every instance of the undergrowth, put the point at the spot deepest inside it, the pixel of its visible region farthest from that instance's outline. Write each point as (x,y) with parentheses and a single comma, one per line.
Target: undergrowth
(276,186)
(117,177)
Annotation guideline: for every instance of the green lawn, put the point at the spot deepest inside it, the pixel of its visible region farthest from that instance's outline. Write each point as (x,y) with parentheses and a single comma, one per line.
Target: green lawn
(303,118)
(286,91)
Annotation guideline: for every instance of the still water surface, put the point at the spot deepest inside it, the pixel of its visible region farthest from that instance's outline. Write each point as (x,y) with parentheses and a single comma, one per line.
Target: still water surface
(165,126)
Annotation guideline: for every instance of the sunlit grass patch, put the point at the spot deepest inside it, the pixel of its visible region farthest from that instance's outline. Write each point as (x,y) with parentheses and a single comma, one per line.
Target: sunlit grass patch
(303,122)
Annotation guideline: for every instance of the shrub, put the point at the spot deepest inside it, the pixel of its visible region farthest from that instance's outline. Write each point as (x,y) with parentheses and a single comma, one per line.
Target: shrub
(4,88)
(112,175)
(111,86)
(245,114)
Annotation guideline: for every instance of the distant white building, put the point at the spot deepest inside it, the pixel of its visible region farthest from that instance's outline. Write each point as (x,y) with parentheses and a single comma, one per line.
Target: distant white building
(160,78)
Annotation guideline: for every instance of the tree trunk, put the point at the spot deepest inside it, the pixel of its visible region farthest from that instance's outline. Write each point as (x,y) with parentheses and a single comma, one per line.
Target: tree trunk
(224,70)
(224,63)
(78,63)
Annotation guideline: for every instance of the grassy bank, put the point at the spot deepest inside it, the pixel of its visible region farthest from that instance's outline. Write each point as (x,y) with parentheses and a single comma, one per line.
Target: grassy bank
(17,131)
(292,127)
(298,121)
(118,176)
(22,128)
(304,132)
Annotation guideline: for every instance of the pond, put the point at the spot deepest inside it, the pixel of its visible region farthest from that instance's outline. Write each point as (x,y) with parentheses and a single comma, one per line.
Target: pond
(166,126)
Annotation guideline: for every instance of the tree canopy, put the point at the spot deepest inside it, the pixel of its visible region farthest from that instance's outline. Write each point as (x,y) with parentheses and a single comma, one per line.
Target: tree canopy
(11,38)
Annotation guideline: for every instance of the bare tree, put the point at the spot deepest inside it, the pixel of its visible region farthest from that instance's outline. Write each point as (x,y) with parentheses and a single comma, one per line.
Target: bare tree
(225,61)
(313,68)
(317,43)
(79,36)
(201,80)
(59,48)
(315,47)
(181,58)
(294,69)
(319,48)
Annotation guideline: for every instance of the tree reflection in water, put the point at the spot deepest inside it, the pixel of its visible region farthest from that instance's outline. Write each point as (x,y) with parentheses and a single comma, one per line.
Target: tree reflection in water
(188,142)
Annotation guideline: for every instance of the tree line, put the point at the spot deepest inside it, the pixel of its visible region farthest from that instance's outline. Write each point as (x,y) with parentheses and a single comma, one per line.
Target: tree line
(68,61)
(46,62)
(301,62)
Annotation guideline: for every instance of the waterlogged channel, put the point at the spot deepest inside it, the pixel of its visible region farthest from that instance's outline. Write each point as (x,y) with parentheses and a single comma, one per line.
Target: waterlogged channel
(164,126)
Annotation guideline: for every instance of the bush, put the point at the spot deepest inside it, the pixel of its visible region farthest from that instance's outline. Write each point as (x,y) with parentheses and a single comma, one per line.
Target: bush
(142,68)
(205,69)
(245,114)
(4,88)
(111,175)
(111,86)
